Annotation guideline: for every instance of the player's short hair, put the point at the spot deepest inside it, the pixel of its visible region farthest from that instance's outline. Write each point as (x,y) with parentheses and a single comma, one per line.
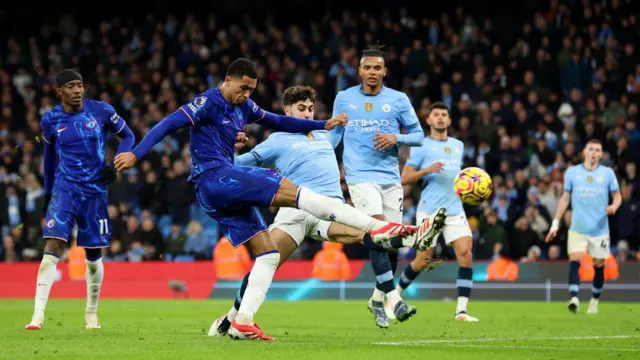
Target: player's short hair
(374,51)
(242,67)
(298,93)
(439,105)
(594,141)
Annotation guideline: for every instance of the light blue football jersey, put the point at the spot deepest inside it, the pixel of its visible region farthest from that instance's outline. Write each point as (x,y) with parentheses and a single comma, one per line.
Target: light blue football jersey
(305,161)
(590,197)
(385,113)
(437,188)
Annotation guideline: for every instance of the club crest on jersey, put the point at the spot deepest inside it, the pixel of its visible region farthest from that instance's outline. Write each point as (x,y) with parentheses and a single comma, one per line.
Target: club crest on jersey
(51,224)
(447,151)
(199,101)
(589,179)
(91,124)
(599,179)
(368,107)
(386,107)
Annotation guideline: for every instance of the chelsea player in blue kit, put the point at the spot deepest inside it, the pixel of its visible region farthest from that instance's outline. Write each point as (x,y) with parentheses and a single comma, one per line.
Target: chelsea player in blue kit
(232,194)
(587,187)
(371,142)
(75,185)
(435,165)
(308,160)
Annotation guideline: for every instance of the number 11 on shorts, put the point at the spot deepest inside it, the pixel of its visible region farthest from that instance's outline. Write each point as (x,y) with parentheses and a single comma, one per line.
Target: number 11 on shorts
(104,227)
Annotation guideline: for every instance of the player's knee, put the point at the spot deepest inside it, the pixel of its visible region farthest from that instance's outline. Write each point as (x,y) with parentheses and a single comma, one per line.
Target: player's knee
(54,246)
(287,195)
(93,254)
(576,256)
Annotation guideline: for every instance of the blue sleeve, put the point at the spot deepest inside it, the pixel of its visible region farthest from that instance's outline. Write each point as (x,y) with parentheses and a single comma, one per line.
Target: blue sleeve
(416,158)
(409,120)
(50,165)
(568,186)
(335,136)
(127,139)
(290,124)
(177,120)
(266,152)
(253,112)
(614,187)
(338,104)
(248,159)
(115,123)
(48,133)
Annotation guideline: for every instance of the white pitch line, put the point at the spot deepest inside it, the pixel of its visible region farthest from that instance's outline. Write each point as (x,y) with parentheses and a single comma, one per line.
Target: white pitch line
(516,347)
(457,341)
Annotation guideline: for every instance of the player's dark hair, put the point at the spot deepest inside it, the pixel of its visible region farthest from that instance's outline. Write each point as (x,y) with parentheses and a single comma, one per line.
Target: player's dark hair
(438,105)
(594,141)
(374,51)
(298,93)
(242,67)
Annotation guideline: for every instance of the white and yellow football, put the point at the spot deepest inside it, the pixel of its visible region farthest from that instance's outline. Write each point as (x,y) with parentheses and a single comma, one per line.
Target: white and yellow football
(473,185)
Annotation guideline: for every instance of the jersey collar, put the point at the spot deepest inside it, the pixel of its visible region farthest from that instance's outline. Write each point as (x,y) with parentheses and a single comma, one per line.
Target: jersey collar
(382,89)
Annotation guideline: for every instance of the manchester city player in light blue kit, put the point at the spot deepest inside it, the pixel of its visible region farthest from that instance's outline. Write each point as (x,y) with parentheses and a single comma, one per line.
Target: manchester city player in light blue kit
(231,194)
(587,186)
(371,141)
(435,165)
(75,185)
(307,160)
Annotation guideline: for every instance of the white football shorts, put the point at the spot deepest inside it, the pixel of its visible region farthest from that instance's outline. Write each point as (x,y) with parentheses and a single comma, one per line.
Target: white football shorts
(374,199)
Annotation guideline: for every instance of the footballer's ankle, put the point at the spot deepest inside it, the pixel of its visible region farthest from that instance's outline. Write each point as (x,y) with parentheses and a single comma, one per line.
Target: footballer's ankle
(244,319)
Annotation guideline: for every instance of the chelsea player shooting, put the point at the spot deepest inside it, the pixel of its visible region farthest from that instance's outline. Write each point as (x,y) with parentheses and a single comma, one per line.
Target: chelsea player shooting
(231,194)
(587,186)
(371,141)
(308,160)
(75,186)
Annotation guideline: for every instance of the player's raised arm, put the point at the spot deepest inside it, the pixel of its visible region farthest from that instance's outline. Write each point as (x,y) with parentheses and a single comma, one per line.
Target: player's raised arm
(292,124)
(186,115)
(409,121)
(336,135)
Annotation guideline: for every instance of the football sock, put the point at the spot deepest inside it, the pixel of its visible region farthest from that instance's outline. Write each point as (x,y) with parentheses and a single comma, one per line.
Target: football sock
(95,274)
(464,284)
(258,284)
(408,276)
(381,265)
(598,282)
(46,277)
(574,278)
(236,304)
(328,209)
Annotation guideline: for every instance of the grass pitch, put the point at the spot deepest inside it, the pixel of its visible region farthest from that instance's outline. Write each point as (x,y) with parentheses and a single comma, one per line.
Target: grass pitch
(153,330)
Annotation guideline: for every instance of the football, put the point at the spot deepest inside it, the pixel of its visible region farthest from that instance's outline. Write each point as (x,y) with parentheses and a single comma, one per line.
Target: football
(473,185)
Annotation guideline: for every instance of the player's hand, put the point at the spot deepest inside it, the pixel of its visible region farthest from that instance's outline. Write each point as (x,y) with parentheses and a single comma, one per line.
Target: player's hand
(384,141)
(108,174)
(340,120)
(611,210)
(241,140)
(125,161)
(436,168)
(45,203)
(550,236)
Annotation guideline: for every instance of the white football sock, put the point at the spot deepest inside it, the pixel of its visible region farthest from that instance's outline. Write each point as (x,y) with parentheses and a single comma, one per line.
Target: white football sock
(46,277)
(393,297)
(462,304)
(378,295)
(259,282)
(328,209)
(95,274)
(231,315)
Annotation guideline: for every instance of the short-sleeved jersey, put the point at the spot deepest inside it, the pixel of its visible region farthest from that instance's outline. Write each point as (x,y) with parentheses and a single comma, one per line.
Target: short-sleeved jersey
(590,197)
(81,144)
(384,113)
(437,188)
(215,126)
(306,161)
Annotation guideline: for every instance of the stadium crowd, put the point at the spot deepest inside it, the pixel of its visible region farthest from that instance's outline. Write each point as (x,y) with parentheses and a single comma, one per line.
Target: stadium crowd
(524,108)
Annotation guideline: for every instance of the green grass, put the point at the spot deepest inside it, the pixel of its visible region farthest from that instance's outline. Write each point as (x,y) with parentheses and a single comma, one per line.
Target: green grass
(152,330)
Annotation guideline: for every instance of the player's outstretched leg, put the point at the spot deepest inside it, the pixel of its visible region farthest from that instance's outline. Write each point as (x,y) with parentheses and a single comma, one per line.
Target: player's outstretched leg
(574,285)
(94,277)
(328,209)
(597,285)
(462,249)
(46,276)
(385,287)
(428,231)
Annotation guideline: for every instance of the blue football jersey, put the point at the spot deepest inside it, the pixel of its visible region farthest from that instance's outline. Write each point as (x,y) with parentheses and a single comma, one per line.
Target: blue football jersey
(590,197)
(304,160)
(81,144)
(215,126)
(437,188)
(385,113)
